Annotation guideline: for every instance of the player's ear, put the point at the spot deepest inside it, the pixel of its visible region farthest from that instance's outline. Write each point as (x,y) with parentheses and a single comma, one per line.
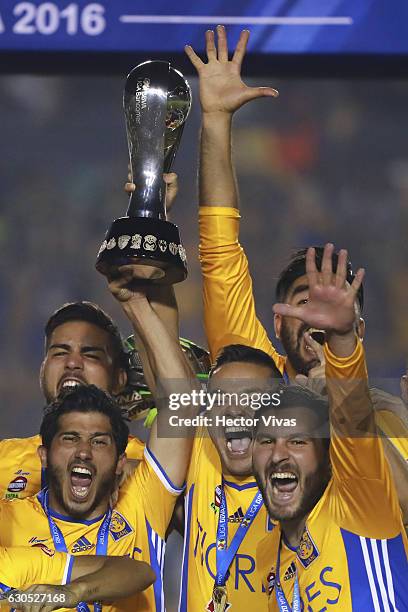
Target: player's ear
(120,381)
(361,328)
(277,323)
(120,466)
(42,453)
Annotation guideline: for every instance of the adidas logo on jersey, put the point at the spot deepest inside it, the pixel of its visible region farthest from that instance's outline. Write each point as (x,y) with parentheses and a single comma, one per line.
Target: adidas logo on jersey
(82,545)
(290,572)
(236,517)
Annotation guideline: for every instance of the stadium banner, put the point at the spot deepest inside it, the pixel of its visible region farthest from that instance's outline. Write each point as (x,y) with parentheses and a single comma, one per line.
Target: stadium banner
(278,27)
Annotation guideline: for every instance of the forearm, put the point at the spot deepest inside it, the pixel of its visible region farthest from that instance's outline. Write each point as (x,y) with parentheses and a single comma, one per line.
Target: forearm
(217,183)
(119,577)
(163,349)
(399,470)
(351,410)
(163,301)
(342,345)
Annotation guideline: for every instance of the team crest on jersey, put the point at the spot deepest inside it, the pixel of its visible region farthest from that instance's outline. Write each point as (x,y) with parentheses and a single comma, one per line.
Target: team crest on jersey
(119,527)
(37,543)
(82,545)
(270,579)
(307,550)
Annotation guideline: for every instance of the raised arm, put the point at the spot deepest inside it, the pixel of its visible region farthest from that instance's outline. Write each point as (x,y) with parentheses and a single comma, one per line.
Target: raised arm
(171,373)
(222,92)
(331,307)
(229,309)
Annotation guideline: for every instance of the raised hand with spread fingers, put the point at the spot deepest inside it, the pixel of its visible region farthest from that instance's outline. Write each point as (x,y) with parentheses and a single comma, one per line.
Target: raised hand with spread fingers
(221,87)
(330,305)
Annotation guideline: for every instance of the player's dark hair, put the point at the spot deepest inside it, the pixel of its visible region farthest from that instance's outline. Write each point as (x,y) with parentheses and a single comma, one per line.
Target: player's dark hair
(297,268)
(234,353)
(90,313)
(296,396)
(84,398)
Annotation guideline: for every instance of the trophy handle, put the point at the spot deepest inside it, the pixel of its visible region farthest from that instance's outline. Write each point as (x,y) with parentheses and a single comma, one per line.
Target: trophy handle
(145,106)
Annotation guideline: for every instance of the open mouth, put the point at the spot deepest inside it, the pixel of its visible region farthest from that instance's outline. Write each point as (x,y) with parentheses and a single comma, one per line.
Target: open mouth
(319,335)
(238,440)
(283,484)
(81,480)
(68,383)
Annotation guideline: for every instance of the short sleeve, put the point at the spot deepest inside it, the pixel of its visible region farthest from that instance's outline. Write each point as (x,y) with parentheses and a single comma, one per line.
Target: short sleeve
(151,487)
(23,567)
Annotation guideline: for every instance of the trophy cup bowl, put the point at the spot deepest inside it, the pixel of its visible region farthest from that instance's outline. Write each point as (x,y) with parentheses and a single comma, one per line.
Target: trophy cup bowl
(156,101)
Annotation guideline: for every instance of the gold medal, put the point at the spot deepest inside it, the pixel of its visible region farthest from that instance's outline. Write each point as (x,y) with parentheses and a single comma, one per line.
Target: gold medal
(219,598)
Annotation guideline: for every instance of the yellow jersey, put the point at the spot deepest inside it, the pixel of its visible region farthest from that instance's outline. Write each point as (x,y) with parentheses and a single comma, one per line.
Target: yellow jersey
(353,552)
(137,527)
(229,305)
(202,505)
(20,467)
(23,567)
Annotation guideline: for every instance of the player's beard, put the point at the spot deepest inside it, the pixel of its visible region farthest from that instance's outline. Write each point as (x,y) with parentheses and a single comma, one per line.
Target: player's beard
(104,491)
(314,486)
(292,346)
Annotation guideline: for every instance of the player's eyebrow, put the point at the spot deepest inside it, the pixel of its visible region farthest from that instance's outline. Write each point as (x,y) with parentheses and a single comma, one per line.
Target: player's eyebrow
(93,349)
(299,289)
(102,433)
(59,346)
(84,349)
(95,434)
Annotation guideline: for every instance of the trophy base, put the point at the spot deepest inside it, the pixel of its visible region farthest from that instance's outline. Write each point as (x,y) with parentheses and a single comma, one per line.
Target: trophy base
(152,245)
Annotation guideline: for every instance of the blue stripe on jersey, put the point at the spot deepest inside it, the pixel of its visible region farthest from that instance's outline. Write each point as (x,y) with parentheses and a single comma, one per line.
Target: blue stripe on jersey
(378,573)
(68,578)
(396,564)
(186,549)
(155,548)
(161,471)
(234,485)
(375,576)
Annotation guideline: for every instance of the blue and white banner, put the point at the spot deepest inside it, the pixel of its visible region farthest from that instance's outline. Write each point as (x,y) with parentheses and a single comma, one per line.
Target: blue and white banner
(277,26)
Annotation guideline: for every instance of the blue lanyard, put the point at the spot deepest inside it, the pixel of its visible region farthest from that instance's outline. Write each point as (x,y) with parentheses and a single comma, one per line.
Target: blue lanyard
(283,603)
(224,554)
(59,541)
(285,376)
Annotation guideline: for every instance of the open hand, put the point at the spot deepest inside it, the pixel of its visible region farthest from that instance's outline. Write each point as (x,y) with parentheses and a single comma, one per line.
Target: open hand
(331,299)
(221,87)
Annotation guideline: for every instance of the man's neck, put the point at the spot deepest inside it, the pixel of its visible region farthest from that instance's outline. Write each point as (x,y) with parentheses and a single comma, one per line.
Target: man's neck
(293,530)
(58,508)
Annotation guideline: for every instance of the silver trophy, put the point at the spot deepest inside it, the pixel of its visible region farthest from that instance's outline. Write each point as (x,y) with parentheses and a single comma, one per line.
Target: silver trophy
(156,101)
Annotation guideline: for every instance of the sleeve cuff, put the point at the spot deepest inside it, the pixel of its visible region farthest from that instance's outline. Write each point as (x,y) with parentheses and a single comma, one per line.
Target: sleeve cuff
(219,211)
(344,362)
(161,474)
(66,578)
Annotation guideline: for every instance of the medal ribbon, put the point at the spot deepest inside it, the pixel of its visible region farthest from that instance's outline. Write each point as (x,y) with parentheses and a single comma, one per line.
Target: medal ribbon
(60,546)
(283,603)
(224,555)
